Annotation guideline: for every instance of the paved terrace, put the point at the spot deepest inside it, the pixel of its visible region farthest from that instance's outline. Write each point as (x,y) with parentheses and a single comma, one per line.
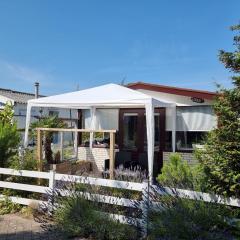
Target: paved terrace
(15,227)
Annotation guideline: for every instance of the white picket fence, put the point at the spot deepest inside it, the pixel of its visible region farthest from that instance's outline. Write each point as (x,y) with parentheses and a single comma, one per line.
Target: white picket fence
(52,176)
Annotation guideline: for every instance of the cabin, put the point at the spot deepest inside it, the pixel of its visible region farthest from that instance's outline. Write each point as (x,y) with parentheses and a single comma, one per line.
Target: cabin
(151,121)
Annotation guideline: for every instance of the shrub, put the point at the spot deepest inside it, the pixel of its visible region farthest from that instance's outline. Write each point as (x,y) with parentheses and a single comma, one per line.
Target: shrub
(78,217)
(177,218)
(176,173)
(7,206)
(9,135)
(27,162)
(74,216)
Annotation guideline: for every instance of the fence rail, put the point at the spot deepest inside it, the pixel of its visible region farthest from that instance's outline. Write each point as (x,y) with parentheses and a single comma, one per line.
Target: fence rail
(52,177)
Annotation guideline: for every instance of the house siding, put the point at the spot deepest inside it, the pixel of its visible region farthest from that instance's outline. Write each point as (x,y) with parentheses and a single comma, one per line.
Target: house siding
(97,156)
(189,157)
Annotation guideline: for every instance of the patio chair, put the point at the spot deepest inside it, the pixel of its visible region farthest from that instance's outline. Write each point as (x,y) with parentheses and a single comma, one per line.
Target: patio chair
(122,158)
(143,160)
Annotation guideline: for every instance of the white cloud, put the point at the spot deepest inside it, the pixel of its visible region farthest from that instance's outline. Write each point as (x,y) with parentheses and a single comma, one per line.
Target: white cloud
(13,72)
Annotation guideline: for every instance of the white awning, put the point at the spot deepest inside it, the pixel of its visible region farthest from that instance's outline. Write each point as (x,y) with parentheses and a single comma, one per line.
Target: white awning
(105,96)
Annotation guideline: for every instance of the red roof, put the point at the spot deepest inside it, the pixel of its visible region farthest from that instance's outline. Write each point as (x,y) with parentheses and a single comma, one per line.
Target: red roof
(173,90)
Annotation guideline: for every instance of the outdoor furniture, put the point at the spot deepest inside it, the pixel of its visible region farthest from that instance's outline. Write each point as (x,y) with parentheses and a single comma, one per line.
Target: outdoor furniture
(122,158)
(143,160)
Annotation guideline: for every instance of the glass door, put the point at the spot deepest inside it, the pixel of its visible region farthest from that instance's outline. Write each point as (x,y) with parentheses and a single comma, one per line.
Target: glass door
(133,136)
(130,131)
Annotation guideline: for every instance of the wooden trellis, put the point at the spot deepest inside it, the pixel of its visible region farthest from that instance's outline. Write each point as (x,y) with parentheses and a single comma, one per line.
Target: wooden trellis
(40,132)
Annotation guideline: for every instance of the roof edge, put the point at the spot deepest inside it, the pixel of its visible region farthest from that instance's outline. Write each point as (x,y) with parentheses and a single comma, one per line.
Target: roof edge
(173,90)
(19,92)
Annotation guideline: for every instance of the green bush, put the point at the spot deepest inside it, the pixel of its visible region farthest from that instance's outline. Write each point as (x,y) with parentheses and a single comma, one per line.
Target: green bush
(9,135)
(27,162)
(7,206)
(191,219)
(172,217)
(176,173)
(77,217)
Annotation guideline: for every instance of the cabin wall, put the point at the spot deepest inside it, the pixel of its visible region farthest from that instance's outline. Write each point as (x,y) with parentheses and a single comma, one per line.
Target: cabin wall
(187,156)
(97,156)
(178,99)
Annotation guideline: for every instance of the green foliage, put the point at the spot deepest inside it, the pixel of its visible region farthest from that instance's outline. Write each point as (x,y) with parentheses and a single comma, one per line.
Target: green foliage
(231,60)
(77,217)
(187,219)
(28,161)
(176,173)
(6,115)
(220,158)
(9,136)
(7,206)
(48,122)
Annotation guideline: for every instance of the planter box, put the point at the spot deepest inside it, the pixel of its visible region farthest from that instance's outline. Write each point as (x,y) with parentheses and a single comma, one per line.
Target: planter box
(73,168)
(81,167)
(64,168)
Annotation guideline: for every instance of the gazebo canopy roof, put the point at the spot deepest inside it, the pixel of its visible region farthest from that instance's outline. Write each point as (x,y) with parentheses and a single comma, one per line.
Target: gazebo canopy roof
(104,96)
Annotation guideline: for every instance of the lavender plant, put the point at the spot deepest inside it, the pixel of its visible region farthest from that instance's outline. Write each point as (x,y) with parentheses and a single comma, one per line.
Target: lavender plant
(169,216)
(73,210)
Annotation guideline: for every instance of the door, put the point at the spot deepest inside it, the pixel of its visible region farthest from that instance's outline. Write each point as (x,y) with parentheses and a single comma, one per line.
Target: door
(133,136)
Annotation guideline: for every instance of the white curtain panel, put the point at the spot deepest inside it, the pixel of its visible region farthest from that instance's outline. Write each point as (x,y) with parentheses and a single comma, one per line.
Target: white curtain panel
(197,118)
(105,119)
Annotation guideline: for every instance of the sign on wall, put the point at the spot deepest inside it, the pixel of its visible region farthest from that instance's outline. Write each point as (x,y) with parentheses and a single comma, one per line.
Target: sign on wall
(197,100)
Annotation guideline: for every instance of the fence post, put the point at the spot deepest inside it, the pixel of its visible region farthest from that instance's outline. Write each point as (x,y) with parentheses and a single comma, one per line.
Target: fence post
(112,154)
(51,189)
(145,208)
(52,177)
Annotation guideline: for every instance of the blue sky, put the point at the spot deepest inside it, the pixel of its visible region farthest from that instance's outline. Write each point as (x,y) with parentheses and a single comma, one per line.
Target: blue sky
(63,44)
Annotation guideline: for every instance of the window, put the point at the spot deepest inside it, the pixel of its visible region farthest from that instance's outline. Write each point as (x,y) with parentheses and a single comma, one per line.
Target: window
(53,113)
(22,112)
(186,141)
(192,125)
(196,118)
(130,121)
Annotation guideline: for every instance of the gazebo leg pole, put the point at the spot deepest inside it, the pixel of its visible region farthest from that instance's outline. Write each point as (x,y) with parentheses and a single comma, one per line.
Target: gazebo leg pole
(112,154)
(39,152)
(39,149)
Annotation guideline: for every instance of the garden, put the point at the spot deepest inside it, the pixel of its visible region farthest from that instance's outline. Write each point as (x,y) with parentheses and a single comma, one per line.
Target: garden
(81,209)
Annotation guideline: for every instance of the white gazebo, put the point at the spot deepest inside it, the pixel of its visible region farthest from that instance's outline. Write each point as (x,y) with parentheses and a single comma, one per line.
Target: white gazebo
(108,96)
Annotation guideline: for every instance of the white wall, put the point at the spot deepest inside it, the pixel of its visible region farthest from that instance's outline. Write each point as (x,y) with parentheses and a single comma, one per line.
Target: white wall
(105,119)
(4,100)
(196,119)
(179,100)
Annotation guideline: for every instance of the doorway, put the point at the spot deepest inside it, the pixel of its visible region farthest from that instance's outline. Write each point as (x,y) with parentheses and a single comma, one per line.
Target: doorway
(133,136)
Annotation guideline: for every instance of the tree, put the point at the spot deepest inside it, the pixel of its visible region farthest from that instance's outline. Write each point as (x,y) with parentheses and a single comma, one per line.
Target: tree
(48,122)
(221,158)
(9,135)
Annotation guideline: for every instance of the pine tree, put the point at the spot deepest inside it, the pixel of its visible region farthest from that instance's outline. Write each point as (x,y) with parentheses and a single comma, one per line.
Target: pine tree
(221,159)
